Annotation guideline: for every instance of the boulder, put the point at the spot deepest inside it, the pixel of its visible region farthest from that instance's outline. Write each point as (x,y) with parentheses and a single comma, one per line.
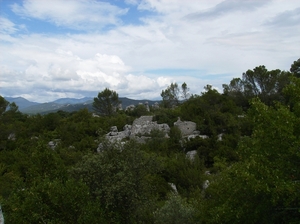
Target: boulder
(139,130)
(1,216)
(191,154)
(12,136)
(186,127)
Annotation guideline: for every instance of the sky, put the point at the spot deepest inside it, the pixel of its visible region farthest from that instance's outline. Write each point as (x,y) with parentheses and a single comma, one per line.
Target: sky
(52,49)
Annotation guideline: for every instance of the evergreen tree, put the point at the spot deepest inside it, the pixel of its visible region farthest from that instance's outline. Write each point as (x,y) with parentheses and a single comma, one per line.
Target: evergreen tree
(106,102)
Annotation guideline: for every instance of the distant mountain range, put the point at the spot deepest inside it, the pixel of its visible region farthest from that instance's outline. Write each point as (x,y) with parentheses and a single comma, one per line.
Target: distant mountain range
(65,104)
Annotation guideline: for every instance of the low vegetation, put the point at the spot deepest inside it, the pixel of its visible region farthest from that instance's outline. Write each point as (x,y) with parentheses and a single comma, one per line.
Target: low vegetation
(251,175)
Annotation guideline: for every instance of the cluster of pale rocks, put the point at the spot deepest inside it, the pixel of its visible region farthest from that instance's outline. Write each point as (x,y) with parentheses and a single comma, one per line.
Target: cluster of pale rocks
(142,127)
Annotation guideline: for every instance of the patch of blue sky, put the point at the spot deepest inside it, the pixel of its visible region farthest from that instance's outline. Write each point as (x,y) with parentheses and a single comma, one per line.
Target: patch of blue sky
(45,27)
(26,25)
(134,15)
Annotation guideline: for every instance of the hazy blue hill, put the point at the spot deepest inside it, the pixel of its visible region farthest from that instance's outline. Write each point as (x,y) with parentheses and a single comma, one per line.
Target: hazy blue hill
(41,108)
(126,102)
(70,108)
(66,104)
(21,102)
(73,100)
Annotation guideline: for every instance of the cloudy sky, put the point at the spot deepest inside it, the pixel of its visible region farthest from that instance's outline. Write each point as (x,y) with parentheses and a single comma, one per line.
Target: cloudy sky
(76,48)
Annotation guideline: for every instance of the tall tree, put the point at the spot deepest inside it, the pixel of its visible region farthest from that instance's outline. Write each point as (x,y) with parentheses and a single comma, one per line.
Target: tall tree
(259,82)
(185,91)
(3,105)
(295,68)
(107,102)
(170,95)
(173,93)
(264,186)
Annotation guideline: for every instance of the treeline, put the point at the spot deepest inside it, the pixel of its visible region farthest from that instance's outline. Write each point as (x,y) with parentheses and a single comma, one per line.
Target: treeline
(245,171)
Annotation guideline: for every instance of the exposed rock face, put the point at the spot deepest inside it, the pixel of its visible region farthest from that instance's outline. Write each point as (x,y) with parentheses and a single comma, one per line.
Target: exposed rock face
(12,136)
(144,125)
(1,216)
(115,135)
(139,130)
(191,154)
(130,108)
(52,144)
(174,188)
(146,104)
(186,127)
(95,115)
(205,184)
(197,135)
(155,105)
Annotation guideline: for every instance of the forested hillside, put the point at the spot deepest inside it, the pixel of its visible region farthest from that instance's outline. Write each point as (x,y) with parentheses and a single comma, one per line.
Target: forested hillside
(246,168)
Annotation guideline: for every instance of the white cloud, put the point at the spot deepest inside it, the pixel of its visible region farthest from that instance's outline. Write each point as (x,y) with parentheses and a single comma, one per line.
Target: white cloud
(220,48)
(73,14)
(6,26)
(64,73)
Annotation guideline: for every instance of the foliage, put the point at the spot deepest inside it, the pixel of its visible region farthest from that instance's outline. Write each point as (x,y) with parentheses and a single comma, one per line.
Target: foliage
(3,105)
(176,211)
(139,110)
(266,179)
(172,94)
(259,82)
(295,68)
(185,91)
(249,155)
(118,178)
(106,102)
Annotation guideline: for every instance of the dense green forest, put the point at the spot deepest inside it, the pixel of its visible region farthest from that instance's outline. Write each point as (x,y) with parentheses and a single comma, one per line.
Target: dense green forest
(252,175)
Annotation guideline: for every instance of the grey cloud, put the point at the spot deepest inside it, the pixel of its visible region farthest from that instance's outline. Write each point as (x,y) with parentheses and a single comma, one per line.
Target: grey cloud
(286,19)
(226,7)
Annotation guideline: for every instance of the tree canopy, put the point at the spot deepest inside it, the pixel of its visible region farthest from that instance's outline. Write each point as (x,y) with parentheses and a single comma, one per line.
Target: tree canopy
(172,95)
(106,102)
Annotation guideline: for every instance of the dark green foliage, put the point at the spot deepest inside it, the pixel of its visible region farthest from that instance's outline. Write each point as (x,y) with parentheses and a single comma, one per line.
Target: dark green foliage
(259,82)
(251,150)
(53,201)
(213,112)
(170,96)
(107,102)
(3,105)
(139,110)
(176,211)
(266,179)
(119,178)
(168,116)
(295,68)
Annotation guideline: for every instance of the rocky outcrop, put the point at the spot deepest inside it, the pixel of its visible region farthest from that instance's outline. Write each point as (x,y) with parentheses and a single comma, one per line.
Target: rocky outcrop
(1,216)
(191,154)
(144,125)
(12,136)
(53,144)
(140,130)
(132,107)
(115,135)
(186,127)
(174,188)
